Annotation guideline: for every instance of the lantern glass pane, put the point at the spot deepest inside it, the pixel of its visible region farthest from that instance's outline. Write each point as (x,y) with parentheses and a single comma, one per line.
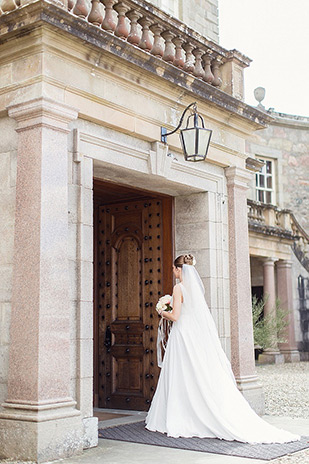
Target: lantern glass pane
(203,141)
(188,139)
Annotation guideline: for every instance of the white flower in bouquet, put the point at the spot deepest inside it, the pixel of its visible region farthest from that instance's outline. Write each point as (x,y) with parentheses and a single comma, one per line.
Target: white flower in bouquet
(164,304)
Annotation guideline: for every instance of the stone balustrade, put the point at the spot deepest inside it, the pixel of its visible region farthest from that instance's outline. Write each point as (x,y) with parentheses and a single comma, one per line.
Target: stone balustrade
(143,25)
(271,220)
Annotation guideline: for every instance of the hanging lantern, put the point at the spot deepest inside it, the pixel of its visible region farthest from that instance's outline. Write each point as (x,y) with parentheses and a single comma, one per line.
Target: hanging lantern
(194,139)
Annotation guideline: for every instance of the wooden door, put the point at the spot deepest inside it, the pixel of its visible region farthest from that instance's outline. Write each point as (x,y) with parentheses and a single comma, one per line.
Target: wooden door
(133,268)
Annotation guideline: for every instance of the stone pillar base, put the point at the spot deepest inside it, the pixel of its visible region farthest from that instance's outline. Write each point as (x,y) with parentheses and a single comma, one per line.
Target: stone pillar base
(90,437)
(253,392)
(271,357)
(39,436)
(290,355)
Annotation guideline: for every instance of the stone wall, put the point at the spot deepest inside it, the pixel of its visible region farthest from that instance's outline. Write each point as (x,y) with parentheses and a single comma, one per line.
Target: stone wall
(7,216)
(201,229)
(200,15)
(286,141)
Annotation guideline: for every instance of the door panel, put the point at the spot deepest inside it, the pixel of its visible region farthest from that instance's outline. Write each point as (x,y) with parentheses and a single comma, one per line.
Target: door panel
(129,267)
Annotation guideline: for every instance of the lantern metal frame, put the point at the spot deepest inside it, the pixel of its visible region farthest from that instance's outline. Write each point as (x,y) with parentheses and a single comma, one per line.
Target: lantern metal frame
(195,157)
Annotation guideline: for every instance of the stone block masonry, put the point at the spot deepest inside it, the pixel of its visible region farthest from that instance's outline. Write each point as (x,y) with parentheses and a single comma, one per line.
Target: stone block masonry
(8,154)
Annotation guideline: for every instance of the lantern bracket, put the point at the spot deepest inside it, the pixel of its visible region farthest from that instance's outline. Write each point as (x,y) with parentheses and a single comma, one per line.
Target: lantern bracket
(164,132)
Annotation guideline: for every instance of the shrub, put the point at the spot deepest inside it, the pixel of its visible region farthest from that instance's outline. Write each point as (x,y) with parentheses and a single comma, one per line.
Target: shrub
(268,330)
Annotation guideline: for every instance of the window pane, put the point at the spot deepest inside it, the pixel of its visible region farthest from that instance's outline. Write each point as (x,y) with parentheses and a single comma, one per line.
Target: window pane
(268,197)
(262,180)
(269,182)
(260,196)
(263,167)
(256,180)
(268,167)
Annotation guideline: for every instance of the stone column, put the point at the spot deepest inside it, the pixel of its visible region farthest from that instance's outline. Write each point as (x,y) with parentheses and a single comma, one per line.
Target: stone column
(39,421)
(242,346)
(285,296)
(270,355)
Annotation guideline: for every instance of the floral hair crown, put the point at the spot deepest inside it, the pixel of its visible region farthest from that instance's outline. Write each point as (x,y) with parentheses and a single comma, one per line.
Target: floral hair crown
(189,257)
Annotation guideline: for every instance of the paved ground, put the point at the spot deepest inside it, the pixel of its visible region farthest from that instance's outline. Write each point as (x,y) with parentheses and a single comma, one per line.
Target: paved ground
(287,405)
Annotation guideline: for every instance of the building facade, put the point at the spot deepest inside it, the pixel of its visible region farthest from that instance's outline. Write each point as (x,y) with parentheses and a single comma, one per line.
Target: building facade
(94,207)
(278,228)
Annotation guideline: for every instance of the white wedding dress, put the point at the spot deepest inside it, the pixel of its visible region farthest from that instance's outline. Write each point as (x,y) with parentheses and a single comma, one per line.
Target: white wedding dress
(196,395)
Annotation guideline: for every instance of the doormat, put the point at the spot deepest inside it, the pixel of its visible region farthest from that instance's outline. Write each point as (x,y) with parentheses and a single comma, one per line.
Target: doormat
(136,433)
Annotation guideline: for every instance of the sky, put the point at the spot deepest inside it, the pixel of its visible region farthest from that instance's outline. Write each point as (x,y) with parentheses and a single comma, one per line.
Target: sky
(275,35)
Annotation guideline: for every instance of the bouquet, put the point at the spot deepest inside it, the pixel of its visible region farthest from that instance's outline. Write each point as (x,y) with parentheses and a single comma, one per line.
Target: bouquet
(164,304)
(164,328)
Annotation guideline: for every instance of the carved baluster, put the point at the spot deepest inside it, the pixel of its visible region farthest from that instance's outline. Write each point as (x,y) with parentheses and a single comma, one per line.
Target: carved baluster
(71,4)
(198,68)
(179,58)
(122,29)
(109,24)
(208,76)
(95,16)
(81,9)
(8,5)
(169,50)
(145,42)
(217,82)
(157,48)
(189,63)
(134,36)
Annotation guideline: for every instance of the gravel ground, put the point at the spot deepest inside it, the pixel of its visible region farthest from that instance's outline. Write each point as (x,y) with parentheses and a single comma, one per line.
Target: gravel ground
(286,388)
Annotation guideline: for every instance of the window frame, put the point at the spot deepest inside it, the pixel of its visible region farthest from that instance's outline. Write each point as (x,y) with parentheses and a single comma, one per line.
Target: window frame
(265,175)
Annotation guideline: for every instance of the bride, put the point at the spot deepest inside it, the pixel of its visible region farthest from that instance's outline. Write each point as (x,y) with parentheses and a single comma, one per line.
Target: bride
(196,395)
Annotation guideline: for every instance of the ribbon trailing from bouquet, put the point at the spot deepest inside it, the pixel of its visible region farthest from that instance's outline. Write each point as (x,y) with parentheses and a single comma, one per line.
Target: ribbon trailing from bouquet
(162,339)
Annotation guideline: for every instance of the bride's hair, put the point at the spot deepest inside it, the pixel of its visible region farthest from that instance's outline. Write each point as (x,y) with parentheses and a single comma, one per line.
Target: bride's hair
(183,259)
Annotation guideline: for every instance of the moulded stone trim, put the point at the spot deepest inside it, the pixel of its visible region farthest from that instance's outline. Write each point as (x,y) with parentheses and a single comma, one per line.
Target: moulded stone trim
(113,153)
(42,111)
(87,172)
(238,176)
(204,174)
(86,242)
(85,319)
(86,273)
(159,161)
(84,388)
(86,216)
(85,355)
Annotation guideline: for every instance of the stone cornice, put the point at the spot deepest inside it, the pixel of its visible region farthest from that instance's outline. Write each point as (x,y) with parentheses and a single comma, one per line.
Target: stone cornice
(289,120)
(42,112)
(25,19)
(238,177)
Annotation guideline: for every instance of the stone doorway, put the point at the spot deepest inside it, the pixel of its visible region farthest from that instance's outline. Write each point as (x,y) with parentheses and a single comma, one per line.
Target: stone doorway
(133,251)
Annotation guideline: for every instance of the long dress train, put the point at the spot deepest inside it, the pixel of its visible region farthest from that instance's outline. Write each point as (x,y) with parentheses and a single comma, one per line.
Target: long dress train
(196,395)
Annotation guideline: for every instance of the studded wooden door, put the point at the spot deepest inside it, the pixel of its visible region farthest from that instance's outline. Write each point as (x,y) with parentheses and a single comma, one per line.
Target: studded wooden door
(132,261)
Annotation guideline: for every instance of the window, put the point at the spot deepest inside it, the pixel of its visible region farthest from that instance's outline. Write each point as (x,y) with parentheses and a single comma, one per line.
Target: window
(265,182)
